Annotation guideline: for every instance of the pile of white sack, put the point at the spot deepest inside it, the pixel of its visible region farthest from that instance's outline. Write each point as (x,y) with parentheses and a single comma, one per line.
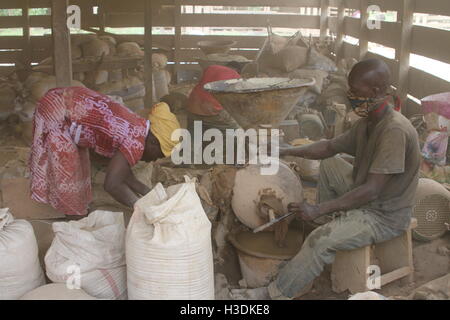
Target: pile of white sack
(20,270)
(90,254)
(166,252)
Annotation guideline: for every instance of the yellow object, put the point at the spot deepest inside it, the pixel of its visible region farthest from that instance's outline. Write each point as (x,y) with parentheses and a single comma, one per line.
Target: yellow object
(300,142)
(162,124)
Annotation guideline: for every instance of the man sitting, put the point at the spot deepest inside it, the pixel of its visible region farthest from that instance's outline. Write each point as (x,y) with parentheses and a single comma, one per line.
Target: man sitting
(375,194)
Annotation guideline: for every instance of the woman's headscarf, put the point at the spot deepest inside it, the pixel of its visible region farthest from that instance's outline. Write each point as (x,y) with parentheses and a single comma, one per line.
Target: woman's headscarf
(202,102)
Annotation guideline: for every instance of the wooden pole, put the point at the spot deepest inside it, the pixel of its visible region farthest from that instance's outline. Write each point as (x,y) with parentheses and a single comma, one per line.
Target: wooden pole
(101,16)
(177,44)
(404,49)
(27,49)
(340,30)
(148,48)
(62,56)
(363,30)
(324,5)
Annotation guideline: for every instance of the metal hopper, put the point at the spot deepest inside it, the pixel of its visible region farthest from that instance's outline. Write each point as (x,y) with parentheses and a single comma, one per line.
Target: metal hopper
(258,102)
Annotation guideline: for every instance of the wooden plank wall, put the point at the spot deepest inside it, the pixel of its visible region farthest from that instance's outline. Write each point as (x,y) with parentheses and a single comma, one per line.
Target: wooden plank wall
(402,36)
(124,14)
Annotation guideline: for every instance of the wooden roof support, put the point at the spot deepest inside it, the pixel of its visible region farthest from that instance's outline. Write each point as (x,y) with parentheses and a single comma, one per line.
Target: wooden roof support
(324,5)
(177,18)
(27,49)
(62,56)
(403,51)
(338,49)
(363,30)
(148,48)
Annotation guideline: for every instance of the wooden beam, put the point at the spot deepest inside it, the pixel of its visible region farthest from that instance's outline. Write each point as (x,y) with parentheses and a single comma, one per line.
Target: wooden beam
(108,63)
(62,56)
(349,50)
(363,30)
(138,5)
(422,84)
(431,42)
(251,20)
(388,35)
(324,5)
(165,19)
(404,49)
(177,43)
(27,48)
(102,14)
(148,47)
(437,7)
(352,27)
(340,30)
(265,3)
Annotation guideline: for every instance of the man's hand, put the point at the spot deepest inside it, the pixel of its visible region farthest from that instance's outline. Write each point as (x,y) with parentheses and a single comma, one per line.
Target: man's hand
(285,150)
(306,211)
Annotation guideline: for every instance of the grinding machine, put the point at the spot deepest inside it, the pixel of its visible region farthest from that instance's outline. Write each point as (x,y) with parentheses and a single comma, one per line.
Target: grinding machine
(263,103)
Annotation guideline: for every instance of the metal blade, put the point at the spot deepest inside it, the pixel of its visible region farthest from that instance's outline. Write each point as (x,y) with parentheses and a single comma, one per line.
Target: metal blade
(270,223)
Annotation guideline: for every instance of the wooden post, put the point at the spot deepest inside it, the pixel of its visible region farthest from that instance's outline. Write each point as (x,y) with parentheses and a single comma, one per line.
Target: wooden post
(340,30)
(62,56)
(363,30)
(87,15)
(101,16)
(177,44)
(324,5)
(148,48)
(27,49)
(404,49)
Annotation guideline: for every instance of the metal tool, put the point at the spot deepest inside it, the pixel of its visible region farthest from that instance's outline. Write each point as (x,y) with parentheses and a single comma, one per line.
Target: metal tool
(272,222)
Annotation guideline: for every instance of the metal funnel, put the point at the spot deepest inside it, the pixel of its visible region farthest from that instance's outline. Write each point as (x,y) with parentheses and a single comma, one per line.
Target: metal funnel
(259,101)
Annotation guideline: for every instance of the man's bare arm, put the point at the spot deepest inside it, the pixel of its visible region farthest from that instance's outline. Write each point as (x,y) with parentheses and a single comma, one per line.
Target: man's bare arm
(315,151)
(357,197)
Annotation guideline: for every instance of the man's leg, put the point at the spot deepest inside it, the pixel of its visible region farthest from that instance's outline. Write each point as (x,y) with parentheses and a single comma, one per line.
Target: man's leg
(335,179)
(354,229)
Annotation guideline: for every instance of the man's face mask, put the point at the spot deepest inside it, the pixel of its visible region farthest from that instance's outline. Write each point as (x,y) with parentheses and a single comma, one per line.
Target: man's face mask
(362,105)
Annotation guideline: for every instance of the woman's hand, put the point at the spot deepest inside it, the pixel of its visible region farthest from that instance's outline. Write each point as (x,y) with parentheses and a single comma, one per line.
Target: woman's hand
(115,183)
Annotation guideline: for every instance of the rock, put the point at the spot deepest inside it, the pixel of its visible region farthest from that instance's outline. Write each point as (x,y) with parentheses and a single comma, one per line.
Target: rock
(428,263)
(222,291)
(243,284)
(220,234)
(438,289)
(443,251)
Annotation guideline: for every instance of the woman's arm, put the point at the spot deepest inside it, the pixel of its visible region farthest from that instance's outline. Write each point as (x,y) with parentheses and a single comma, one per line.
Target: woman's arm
(137,186)
(117,174)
